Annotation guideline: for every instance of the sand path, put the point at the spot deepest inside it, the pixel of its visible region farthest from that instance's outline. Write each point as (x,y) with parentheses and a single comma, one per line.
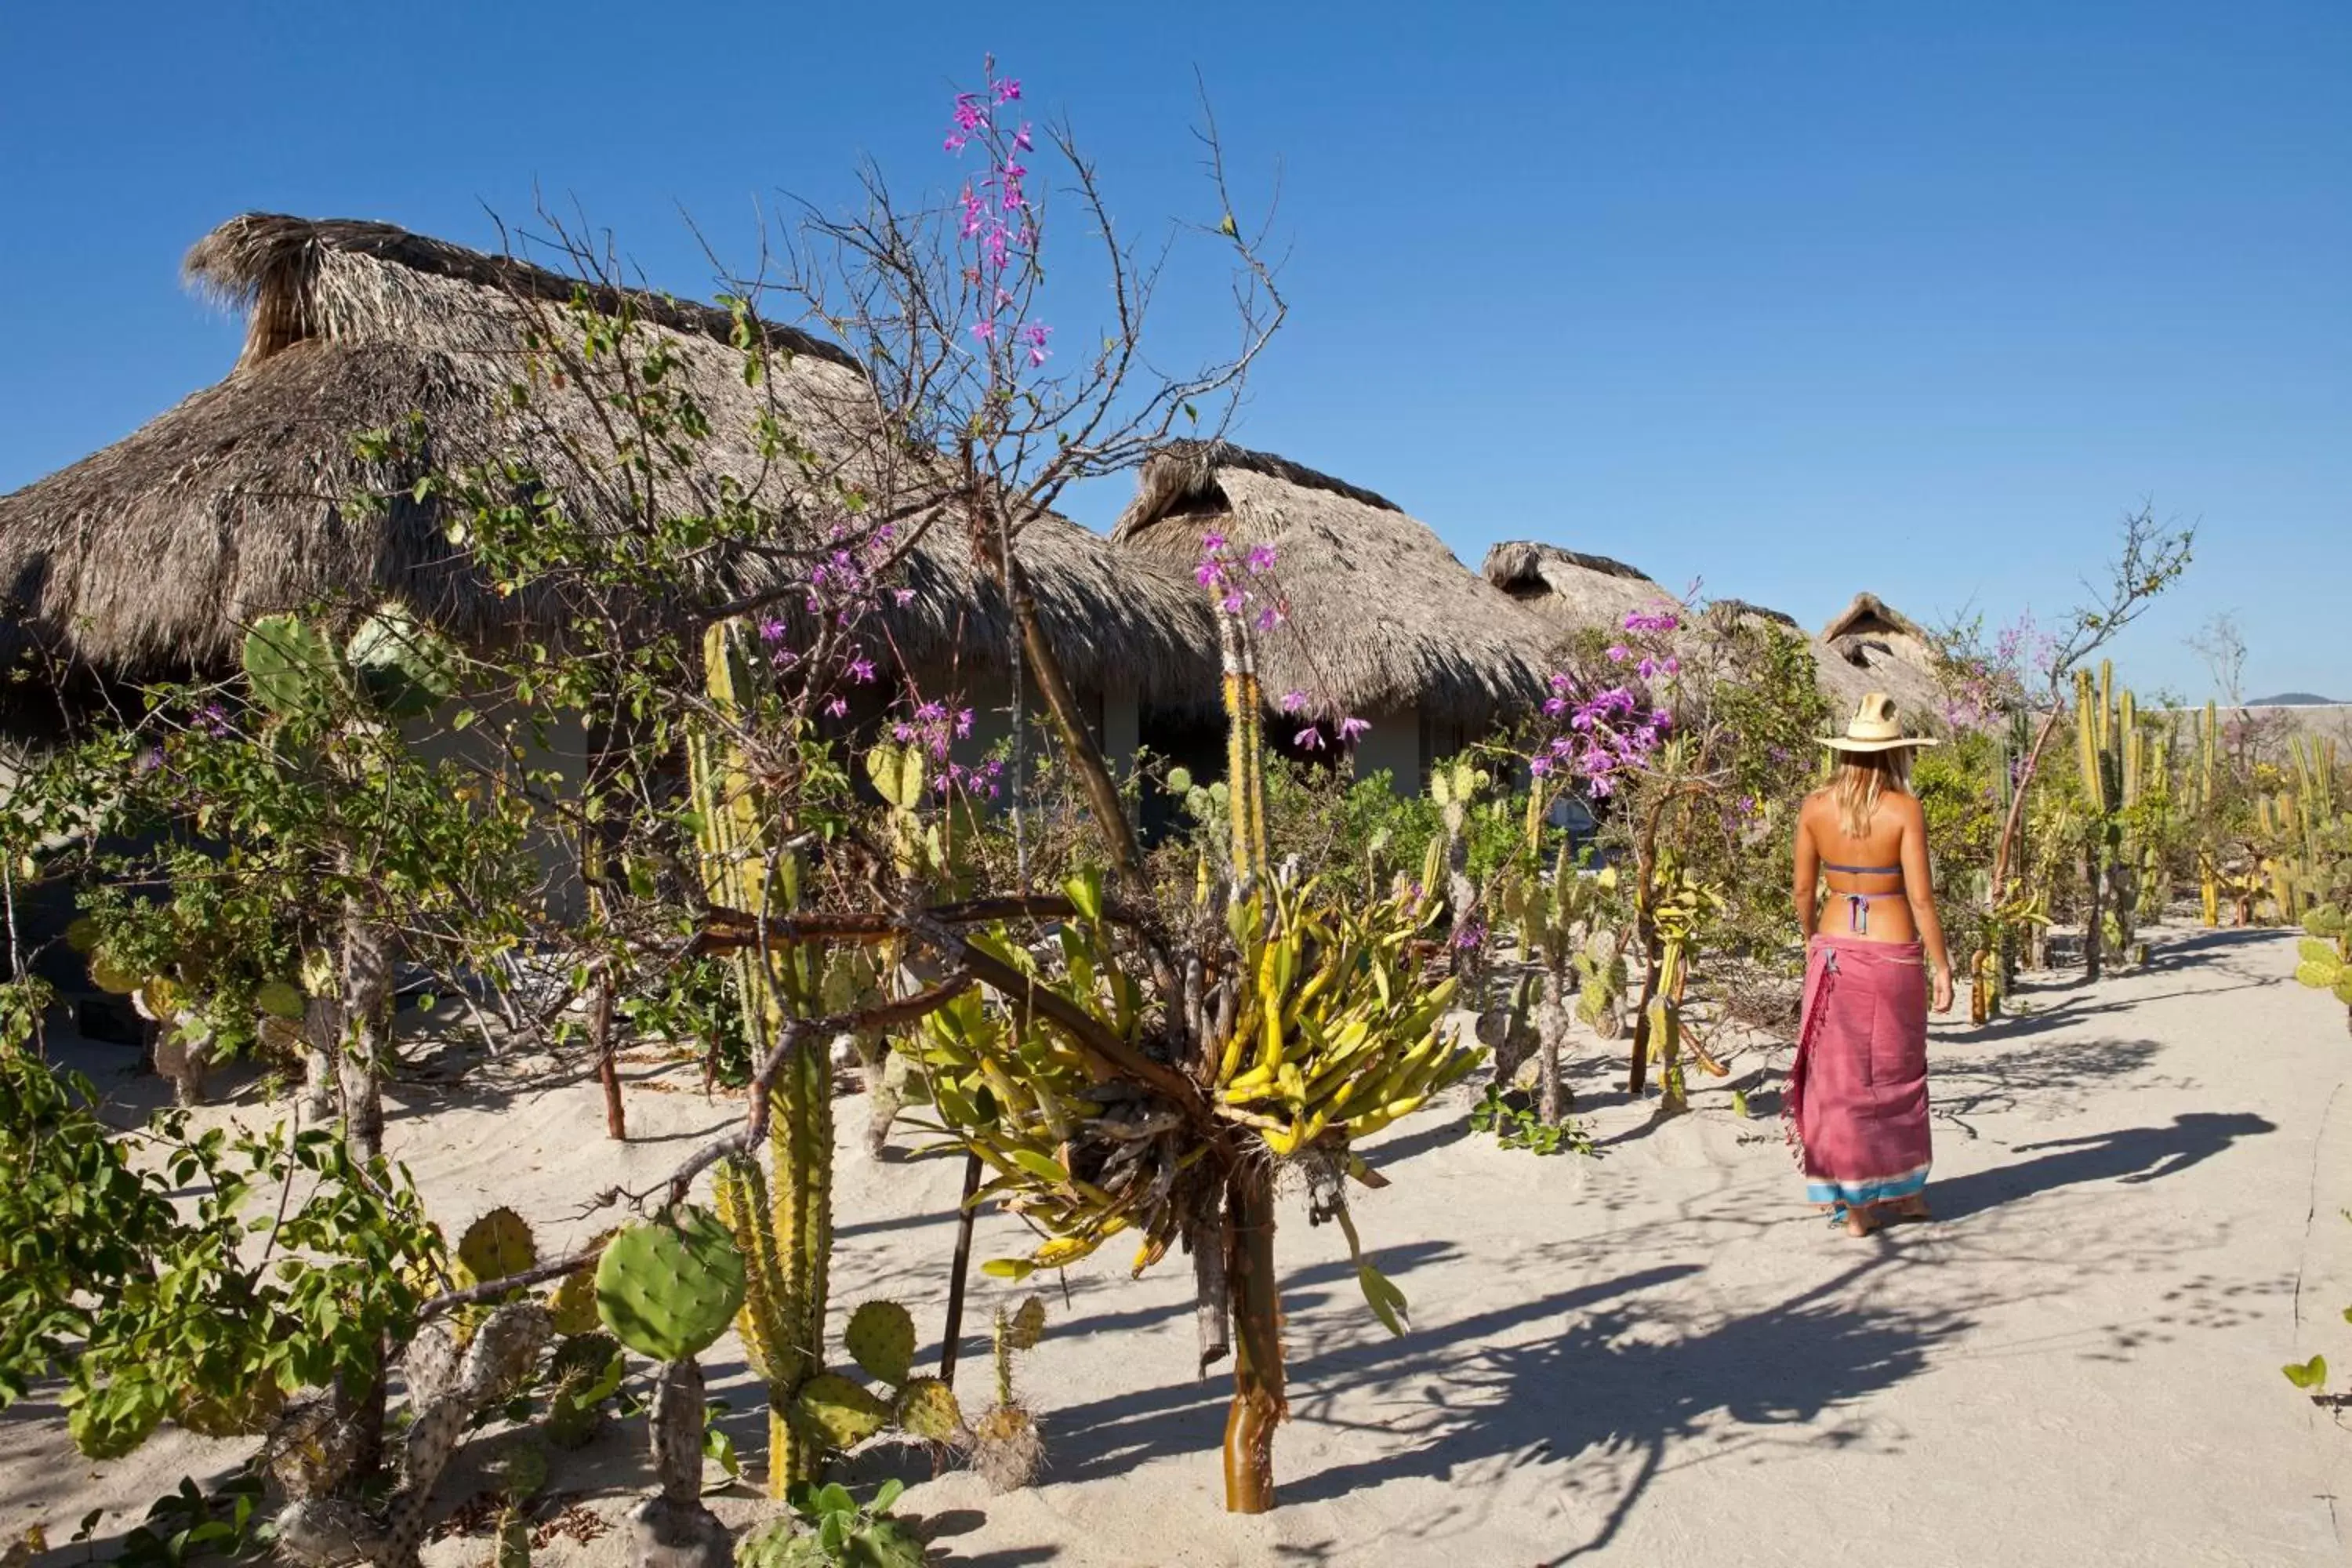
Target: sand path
(1658,1357)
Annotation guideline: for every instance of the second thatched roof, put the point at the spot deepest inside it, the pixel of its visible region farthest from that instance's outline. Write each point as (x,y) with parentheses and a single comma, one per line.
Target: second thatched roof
(1381,617)
(146,559)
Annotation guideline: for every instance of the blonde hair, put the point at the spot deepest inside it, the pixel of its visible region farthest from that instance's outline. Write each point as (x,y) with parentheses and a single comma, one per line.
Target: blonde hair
(1860,778)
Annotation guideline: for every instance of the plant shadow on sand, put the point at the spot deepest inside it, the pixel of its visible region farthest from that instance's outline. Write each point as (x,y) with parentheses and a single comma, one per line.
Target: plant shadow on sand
(1602,1382)
(2129,1155)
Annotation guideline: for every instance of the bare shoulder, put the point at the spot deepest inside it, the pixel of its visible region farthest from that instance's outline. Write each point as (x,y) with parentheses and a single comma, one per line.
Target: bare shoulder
(1906,808)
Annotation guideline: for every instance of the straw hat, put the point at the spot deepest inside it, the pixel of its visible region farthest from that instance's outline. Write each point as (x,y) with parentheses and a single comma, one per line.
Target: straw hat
(1874,728)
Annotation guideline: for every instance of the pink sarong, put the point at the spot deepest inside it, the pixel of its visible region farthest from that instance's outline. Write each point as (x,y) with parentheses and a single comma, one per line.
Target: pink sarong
(1856,1107)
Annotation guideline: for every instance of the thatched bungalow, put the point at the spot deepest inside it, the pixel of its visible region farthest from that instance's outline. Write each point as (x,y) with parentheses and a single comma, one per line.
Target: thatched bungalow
(1888,650)
(1574,592)
(145,560)
(1570,590)
(1384,624)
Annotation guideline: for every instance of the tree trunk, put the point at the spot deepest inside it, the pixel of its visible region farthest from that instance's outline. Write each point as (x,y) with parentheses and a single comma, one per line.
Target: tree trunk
(608,1070)
(367,1009)
(959,1270)
(321,1028)
(1551,1027)
(1258,1405)
(1639,1077)
(673,1530)
(2095,886)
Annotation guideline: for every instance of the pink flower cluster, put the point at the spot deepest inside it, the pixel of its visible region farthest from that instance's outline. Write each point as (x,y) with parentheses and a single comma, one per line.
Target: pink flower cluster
(1230,576)
(1612,730)
(998,221)
(1237,579)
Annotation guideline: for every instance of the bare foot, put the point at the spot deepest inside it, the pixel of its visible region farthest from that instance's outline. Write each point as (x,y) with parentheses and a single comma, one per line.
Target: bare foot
(1858,1220)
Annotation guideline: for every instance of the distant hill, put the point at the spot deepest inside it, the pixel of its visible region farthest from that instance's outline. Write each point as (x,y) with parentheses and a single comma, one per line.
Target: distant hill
(2292,699)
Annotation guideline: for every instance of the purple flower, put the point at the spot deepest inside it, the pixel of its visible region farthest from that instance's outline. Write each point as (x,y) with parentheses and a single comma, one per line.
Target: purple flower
(1292,701)
(1470,935)
(1352,727)
(1212,542)
(1232,601)
(1310,738)
(1619,653)
(1261,558)
(984,330)
(1020,138)
(904,596)
(839,706)
(1269,617)
(1540,767)
(861,669)
(771,629)
(1008,90)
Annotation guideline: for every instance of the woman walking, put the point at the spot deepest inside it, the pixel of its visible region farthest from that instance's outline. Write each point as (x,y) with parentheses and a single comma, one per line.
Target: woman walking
(1857,1100)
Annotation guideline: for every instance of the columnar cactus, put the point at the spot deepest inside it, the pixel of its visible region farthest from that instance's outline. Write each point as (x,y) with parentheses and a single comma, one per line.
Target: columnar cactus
(783,1223)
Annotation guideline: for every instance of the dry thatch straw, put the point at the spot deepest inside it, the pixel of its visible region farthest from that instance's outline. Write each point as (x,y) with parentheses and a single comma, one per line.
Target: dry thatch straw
(1382,617)
(1886,651)
(1571,590)
(145,560)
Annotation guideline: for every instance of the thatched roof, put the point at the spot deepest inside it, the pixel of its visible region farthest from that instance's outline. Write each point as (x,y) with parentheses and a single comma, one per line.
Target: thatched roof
(1381,615)
(146,559)
(1870,616)
(1570,590)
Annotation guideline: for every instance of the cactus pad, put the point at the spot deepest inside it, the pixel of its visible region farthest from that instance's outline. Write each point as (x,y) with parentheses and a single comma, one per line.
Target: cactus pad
(279,999)
(1026,1326)
(290,667)
(242,1415)
(574,1304)
(767,1545)
(881,1339)
(404,667)
(310,1449)
(668,1290)
(495,1246)
(841,1413)
(926,1408)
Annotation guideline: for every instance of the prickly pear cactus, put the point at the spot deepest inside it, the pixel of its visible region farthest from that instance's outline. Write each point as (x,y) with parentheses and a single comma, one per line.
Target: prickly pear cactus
(841,1413)
(669,1288)
(926,1408)
(496,1244)
(880,1338)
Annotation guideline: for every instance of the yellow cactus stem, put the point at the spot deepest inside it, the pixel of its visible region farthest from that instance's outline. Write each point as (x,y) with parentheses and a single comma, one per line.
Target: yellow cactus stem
(734,827)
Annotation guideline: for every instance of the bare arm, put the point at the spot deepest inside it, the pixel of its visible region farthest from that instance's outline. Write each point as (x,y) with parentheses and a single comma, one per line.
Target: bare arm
(1803,884)
(1919,890)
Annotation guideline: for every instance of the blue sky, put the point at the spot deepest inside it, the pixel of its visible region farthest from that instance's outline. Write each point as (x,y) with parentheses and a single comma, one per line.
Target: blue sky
(1801,298)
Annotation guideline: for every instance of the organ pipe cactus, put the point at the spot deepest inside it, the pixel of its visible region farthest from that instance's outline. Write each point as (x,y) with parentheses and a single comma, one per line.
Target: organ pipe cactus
(781,1221)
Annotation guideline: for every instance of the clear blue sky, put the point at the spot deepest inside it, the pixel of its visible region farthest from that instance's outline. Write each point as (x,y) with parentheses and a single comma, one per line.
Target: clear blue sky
(1802,298)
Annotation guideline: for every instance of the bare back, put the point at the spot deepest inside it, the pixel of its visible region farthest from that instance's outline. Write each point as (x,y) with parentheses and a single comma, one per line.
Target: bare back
(1877,882)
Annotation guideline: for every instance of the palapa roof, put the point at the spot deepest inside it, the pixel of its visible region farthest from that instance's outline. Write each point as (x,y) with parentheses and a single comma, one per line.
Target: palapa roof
(1381,617)
(145,560)
(1569,589)
(1870,616)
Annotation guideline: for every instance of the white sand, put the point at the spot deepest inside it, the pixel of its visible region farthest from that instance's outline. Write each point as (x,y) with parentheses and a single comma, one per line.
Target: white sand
(1660,1357)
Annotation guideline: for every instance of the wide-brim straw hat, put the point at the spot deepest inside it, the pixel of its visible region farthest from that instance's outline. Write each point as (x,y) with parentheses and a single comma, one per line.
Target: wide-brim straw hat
(1875,727)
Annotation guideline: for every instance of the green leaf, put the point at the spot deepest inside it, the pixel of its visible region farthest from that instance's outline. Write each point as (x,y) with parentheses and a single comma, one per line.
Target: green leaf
(1041,1165)
(886,1494)
(2309,1374)
(1008,1268)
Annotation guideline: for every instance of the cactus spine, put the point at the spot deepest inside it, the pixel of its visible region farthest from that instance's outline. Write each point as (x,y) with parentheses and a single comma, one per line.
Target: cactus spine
(785,1232)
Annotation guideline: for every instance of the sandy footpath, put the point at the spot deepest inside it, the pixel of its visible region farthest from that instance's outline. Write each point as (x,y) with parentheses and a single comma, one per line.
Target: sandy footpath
(1658,1357)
